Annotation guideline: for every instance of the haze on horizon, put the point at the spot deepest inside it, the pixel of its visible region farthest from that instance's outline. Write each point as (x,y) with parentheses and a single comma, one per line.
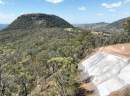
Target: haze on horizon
(74,11)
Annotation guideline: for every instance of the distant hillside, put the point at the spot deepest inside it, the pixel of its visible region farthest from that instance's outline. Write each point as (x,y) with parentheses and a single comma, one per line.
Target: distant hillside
(92,25)
(116,26)
(28,21)
(2,26)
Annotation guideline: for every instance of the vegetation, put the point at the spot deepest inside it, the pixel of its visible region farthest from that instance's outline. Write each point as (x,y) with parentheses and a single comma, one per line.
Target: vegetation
(47,58)
(39,61)
(30,57)
(127,26)
(29,21)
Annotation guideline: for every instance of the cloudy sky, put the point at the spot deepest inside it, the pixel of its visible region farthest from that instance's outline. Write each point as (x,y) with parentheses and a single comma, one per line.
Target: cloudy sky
(74,11)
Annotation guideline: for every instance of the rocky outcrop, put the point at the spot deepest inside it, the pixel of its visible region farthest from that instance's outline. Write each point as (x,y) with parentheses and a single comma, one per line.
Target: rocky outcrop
(110,70)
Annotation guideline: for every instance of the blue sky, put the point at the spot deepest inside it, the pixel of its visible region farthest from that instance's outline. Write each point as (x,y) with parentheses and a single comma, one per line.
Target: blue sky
(74,11)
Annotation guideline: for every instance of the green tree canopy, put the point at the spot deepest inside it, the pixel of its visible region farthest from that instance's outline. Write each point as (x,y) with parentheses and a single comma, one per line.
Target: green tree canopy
(127,26)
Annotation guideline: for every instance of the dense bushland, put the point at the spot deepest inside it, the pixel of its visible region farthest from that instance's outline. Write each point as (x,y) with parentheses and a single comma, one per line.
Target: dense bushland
(44,62)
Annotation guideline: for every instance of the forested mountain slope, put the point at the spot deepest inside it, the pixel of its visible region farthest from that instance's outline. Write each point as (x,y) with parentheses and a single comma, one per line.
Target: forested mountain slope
(29,21)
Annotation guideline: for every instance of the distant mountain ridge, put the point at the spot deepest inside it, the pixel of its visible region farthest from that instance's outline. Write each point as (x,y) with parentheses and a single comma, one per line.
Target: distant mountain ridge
(117,24)
(92,25)
(38,20)
(2,26)
(105,27)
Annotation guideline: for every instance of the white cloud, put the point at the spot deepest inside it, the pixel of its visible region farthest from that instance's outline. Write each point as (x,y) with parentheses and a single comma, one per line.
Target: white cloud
(126,14)
(112,5)
(55,1)
(126,1)
(100,14)
(1,2)
(82,8)
(6,18)
(112,10)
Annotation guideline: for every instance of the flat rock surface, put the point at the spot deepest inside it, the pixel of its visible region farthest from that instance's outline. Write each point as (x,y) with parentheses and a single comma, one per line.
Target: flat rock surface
(110,68)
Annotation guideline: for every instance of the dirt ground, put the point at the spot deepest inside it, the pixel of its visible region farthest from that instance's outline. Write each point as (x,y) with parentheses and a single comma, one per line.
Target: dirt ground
(118,49)
(122,92)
